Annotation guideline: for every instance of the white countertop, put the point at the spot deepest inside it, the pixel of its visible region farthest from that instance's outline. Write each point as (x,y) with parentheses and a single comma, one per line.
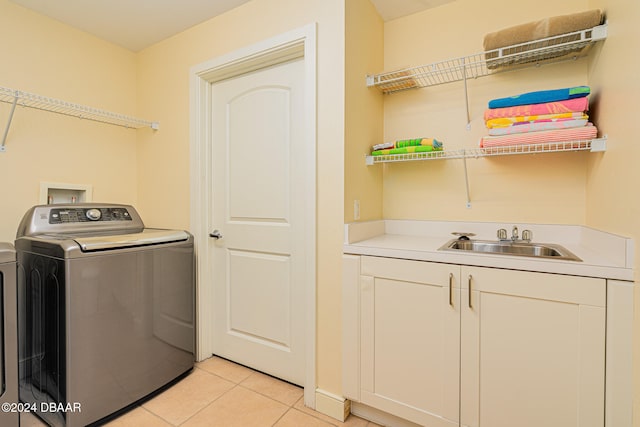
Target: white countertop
(603,255)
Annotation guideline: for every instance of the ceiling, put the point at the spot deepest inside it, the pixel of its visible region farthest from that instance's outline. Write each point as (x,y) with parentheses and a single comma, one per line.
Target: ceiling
(392,9)
(136,24)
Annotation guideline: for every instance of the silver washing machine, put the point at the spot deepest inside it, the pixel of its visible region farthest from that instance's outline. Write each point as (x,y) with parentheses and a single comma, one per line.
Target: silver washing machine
(105,310)
(9,338)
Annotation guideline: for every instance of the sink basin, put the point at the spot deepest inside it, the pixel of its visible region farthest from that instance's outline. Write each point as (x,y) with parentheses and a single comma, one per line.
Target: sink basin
(535,250)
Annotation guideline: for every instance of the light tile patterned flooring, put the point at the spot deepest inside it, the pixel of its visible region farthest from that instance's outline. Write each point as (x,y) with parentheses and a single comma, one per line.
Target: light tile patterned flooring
(221,393)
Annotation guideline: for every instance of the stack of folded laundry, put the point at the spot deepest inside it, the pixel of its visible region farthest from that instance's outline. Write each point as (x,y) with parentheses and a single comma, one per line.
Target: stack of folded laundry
(557,115)
(405,146)
(538,35)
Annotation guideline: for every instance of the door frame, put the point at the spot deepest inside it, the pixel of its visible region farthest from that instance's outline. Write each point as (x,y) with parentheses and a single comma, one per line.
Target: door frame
(298,43)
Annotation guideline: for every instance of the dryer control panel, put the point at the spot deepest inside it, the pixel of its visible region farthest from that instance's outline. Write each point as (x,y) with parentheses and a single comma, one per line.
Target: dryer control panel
(80,218)
(66,215)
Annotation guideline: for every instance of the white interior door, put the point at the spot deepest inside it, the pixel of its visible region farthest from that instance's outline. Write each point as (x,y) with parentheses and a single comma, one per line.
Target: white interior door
(258,207)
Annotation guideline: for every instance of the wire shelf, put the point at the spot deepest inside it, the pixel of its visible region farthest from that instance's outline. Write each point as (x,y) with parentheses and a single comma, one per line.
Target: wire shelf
(549,147)
(592,145)
(431,155)
(30,100)
(551,49)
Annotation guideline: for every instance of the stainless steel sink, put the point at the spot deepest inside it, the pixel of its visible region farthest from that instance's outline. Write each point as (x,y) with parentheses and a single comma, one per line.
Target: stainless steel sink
(535,250)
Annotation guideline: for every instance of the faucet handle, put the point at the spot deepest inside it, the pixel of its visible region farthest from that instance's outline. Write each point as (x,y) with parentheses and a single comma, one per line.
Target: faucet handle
(527,235)
(502,234)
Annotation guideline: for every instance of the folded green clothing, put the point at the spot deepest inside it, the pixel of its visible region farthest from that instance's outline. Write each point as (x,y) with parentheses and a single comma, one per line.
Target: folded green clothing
(408,143)
(406,150)
(418,141)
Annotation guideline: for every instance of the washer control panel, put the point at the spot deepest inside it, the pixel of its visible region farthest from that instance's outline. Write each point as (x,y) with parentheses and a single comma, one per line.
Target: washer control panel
(74,215)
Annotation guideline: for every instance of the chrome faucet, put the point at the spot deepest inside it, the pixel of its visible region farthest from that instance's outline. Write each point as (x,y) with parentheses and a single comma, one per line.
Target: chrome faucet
(527,235)
(514,233)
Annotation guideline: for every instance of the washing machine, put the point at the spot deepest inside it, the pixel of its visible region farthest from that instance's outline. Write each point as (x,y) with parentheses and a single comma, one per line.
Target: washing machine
(8,340)
(106,311)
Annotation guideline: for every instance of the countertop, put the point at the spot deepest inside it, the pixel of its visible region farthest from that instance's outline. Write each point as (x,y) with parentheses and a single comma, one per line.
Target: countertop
(603,255)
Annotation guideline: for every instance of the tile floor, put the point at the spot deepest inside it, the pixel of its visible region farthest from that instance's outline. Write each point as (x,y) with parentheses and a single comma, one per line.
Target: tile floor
(222,393)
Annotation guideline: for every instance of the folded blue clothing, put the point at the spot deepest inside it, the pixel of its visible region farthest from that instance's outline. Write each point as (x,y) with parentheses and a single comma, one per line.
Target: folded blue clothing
(540,97)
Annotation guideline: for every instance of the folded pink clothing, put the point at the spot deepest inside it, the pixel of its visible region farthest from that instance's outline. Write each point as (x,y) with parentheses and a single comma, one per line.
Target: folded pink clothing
(538,125)
(540,137)
(557,107)
(503,122)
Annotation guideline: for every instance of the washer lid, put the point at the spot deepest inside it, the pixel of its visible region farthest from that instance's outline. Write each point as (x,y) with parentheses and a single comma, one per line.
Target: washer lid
(147,237)
(7,253)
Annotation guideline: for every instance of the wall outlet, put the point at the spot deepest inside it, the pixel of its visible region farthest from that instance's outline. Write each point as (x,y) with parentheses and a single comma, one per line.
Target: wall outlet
(356,210)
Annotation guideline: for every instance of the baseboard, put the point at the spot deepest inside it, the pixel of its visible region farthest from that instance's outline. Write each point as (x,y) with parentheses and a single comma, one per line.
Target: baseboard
(332,405)
(379,417)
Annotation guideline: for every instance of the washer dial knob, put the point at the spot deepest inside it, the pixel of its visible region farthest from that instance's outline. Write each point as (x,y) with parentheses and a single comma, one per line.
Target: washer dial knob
(94,214)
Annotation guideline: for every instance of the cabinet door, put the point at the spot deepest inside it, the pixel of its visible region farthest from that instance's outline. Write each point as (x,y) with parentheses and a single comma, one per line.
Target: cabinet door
(410,339)
(533,348)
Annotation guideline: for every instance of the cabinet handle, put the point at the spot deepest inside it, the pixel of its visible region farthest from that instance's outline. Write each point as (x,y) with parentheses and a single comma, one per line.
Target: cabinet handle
(451,289)
(470,278)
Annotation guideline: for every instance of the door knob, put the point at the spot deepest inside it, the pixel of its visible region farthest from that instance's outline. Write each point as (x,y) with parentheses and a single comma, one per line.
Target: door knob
(215,234)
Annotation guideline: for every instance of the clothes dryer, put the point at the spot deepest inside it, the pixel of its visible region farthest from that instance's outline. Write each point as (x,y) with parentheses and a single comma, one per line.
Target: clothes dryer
(106,310)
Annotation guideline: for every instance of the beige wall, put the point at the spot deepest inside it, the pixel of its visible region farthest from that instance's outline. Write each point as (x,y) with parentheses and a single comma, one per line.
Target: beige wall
(613,202)
(163,88)
(363,109)
(47,58)
(547,189)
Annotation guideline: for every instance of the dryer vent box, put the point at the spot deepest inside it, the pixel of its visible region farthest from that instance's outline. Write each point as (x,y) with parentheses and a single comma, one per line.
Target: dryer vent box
(56,193)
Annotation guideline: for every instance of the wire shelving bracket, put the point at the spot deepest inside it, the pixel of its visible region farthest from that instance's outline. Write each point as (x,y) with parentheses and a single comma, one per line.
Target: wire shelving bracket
(38,102)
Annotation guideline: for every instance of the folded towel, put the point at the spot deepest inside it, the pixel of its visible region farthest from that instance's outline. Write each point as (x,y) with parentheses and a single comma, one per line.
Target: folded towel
(537,30)
(543,28)
(501,122)
(566,106)
(538,126)
(545,136)
(409,143)
(540,97)
(406,150)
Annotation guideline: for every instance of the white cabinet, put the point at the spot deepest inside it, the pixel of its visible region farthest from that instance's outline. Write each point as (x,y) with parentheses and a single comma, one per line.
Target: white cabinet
(410,339)
(520,348)
(532,349)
